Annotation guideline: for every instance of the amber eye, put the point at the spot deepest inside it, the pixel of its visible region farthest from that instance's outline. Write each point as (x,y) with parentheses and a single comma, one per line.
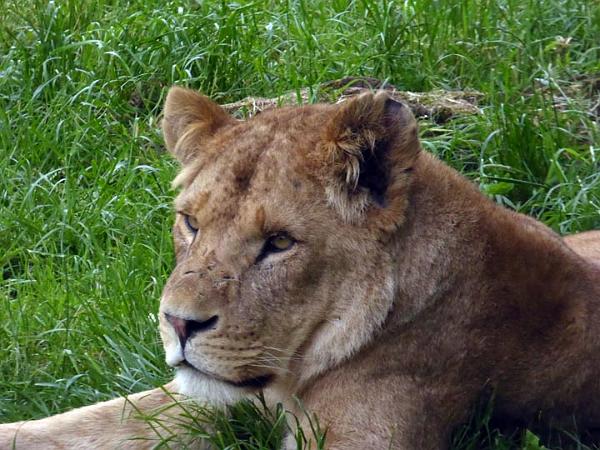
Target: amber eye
(277,243)
(191,223)
(280,242)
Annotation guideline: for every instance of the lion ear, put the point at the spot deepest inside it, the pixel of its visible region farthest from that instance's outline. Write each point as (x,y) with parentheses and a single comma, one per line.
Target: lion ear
(187,113)
(370,145)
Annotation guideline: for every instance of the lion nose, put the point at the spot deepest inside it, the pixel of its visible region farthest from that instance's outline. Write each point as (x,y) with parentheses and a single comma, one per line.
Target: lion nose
(187,328)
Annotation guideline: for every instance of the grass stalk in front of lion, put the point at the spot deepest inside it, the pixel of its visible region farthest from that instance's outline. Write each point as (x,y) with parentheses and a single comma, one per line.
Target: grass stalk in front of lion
(246,425)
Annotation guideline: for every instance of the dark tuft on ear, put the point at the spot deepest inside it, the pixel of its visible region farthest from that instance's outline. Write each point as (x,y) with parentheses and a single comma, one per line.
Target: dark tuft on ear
(370,145)
(187,113)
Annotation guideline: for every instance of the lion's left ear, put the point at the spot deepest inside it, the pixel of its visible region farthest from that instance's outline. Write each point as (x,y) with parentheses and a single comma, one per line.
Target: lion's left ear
(188,113)
(370,144)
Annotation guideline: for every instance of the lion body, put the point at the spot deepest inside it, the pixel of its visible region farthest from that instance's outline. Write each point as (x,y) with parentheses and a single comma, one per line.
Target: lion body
(399,295)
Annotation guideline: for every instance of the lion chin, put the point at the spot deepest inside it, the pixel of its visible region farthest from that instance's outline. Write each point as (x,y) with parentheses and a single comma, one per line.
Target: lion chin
(195,384)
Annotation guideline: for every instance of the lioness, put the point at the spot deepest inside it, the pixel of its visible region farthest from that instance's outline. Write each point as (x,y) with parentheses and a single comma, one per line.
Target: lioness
(322,254)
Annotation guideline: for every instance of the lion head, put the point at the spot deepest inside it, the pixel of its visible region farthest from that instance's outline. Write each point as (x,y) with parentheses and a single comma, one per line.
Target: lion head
(281,237)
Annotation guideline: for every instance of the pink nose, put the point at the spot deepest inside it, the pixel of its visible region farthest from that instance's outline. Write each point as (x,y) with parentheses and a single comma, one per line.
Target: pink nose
(187,328)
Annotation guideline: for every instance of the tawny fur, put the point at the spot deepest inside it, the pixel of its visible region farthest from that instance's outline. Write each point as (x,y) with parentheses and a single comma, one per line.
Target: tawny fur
(407,292)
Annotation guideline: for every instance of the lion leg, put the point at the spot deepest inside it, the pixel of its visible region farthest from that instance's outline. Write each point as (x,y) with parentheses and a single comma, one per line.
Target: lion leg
(117,423)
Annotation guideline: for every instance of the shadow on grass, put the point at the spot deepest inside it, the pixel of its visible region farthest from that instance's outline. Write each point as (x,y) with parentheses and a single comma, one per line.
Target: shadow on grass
(486,431)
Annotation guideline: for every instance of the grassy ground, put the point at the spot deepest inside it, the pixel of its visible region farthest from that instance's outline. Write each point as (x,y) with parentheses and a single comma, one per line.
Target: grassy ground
(84,191)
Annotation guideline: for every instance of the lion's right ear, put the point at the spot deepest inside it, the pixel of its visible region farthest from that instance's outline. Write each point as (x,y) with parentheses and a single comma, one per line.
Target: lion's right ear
(368,148)
(189,118)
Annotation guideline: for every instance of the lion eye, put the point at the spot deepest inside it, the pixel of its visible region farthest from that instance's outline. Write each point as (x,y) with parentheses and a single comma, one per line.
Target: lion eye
(280,242)
(276,244)
(191,223)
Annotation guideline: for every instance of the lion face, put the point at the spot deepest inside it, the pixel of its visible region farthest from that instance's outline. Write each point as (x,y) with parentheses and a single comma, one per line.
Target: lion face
(283,268)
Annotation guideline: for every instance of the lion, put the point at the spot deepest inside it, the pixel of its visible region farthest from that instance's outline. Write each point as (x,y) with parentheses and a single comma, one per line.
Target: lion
(323,255)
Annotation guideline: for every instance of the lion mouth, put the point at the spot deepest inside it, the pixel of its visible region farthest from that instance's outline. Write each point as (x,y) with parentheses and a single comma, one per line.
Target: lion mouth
(257,383)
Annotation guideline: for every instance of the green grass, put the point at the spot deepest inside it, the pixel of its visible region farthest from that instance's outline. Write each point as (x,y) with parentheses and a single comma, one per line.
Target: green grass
(84,192)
